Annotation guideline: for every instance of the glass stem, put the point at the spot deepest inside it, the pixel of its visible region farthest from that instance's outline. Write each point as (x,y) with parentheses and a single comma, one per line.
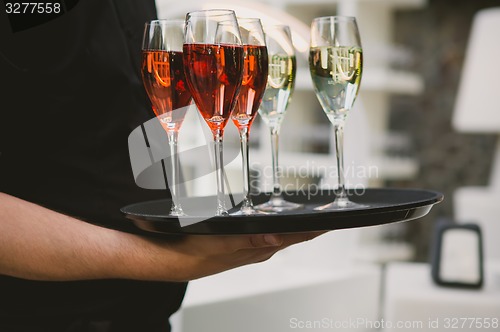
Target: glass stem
(174,173)
(247,200)
(276,172)
(341,195)
(219,168)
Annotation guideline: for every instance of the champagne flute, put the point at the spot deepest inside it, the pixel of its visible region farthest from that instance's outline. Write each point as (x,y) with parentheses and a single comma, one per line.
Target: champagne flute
(163,77)
(255,70)
(280,84)
(213,63)
(335,63)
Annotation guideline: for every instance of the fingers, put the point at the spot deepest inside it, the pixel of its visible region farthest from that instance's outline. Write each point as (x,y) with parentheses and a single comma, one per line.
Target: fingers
(227,244)
(262,251)
(234,243)
(294,238)
(282,240)
(274,240)
(266,240)
(202,255)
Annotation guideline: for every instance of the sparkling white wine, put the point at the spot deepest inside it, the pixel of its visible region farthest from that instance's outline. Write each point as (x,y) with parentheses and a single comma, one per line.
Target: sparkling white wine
(280,84)
(336,75)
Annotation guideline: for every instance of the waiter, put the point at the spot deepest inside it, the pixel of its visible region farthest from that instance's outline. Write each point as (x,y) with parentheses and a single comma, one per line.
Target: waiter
(71,95)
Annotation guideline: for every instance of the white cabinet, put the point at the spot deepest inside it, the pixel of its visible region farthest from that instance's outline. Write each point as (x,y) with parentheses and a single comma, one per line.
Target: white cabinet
(414,302)
(281,297)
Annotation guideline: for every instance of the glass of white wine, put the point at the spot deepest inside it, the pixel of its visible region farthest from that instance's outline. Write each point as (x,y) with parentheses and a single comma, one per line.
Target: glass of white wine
(279,88)
(335,63)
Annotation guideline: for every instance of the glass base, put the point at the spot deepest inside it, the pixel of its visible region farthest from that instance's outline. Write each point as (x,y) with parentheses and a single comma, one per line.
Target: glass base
(177,211)
(249,211)
(221,212)
(340,204)
(278,204)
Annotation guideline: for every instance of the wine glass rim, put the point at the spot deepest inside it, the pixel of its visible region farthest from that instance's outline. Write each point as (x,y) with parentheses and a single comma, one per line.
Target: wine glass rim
(248,19)
(166,21)
(221,12)
(242,19)
(335,18)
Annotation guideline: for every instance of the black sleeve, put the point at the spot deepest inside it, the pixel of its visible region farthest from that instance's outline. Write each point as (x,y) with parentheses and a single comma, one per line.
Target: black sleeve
(72,93)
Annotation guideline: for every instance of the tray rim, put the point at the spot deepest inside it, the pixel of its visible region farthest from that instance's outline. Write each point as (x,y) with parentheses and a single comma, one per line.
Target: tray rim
(413,210)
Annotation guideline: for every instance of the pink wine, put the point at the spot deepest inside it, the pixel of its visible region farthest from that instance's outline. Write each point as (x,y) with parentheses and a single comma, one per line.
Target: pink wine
(214,74)
(255,70)
(164,81)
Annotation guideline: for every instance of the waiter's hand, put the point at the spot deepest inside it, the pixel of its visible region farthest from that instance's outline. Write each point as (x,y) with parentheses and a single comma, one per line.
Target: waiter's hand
(197,256)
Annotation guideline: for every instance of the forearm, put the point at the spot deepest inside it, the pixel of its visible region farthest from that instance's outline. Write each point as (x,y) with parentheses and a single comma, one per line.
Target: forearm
(37,243)
(40,244)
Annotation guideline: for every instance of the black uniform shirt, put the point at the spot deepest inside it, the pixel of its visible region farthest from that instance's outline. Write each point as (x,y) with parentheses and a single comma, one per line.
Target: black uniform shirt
(71,93)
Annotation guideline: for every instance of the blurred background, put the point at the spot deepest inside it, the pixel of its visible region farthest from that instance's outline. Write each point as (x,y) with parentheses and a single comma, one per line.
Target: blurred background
(406,131)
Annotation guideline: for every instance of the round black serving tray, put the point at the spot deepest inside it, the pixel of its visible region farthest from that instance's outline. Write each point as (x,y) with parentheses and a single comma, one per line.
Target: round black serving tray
(383,206)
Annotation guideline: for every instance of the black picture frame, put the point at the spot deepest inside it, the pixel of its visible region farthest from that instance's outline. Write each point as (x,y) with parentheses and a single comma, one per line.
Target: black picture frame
(448,267)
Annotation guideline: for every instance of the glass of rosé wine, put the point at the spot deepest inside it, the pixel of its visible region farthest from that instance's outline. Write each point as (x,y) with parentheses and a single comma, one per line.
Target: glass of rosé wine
(213,63)
(255,68)
(164,80)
